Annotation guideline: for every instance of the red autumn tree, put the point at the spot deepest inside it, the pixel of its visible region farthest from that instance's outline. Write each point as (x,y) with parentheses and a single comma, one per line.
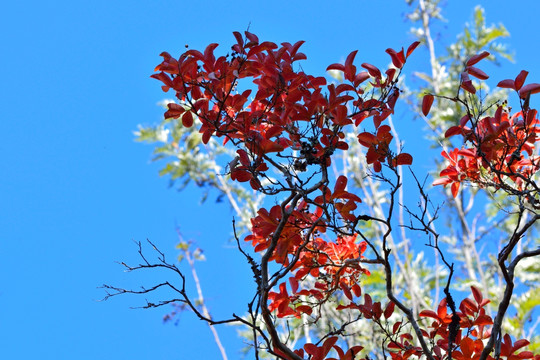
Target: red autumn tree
(311,247)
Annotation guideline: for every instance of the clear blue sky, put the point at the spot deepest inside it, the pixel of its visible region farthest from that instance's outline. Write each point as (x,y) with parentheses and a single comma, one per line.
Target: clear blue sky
(76,190)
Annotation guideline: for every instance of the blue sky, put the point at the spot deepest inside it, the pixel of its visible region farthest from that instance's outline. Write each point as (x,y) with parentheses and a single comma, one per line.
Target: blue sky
(76,190)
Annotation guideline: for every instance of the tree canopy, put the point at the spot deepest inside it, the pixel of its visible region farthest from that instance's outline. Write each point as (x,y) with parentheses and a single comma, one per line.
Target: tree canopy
(329,213)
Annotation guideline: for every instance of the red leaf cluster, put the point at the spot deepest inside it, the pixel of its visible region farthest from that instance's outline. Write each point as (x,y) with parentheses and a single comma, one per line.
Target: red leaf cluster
(499,148)
(473,329)
(285,102)
(287,112)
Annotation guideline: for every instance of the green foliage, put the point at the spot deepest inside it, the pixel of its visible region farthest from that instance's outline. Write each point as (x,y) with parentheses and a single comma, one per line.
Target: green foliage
(186,159)
(477,37)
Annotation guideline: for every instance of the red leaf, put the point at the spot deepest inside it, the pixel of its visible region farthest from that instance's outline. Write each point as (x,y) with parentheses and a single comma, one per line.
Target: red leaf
(404,159)
(252,37)
(357,290)
(243,157)
(484,302)
(367,139)
(464,120)
(265,46)
(476,58)
(429,313)
(395,58)
(209,52)
(174,111)
(304,309)
(206,136)
(455,189)
(427,101)
(161,76)
(525,355)
(442,310)
(441,181)
(187,119)
(196,54)
(467,347)
(255,184)
(294,284)
(377,310)
(467,152)
(340,352)
(344,87)
(477,295)
(336,66)
(519,344)
(293,50)
(520,79)
(389,310)
(379,118)
(367,301)
(342,145)
(346,290)
(393,99)
(529,89)
(350,69)
(468,306)
(300,56)
(339,188)
(340,117)
(452,131)
(262,167)
(239,38)
(273,131)
(241,175)
(468,86)
(328,343)
(360,78)
(263,146)
(372,70)
(483,320)
(477,73)
(318,81)
(312,349)
(299,352)
(411,48)
(345,209)
(507,84)
(450,171)
(390,73)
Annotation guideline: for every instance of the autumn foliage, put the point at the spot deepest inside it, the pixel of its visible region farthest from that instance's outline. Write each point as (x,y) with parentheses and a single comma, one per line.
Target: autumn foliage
(499,149)
(286,122)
